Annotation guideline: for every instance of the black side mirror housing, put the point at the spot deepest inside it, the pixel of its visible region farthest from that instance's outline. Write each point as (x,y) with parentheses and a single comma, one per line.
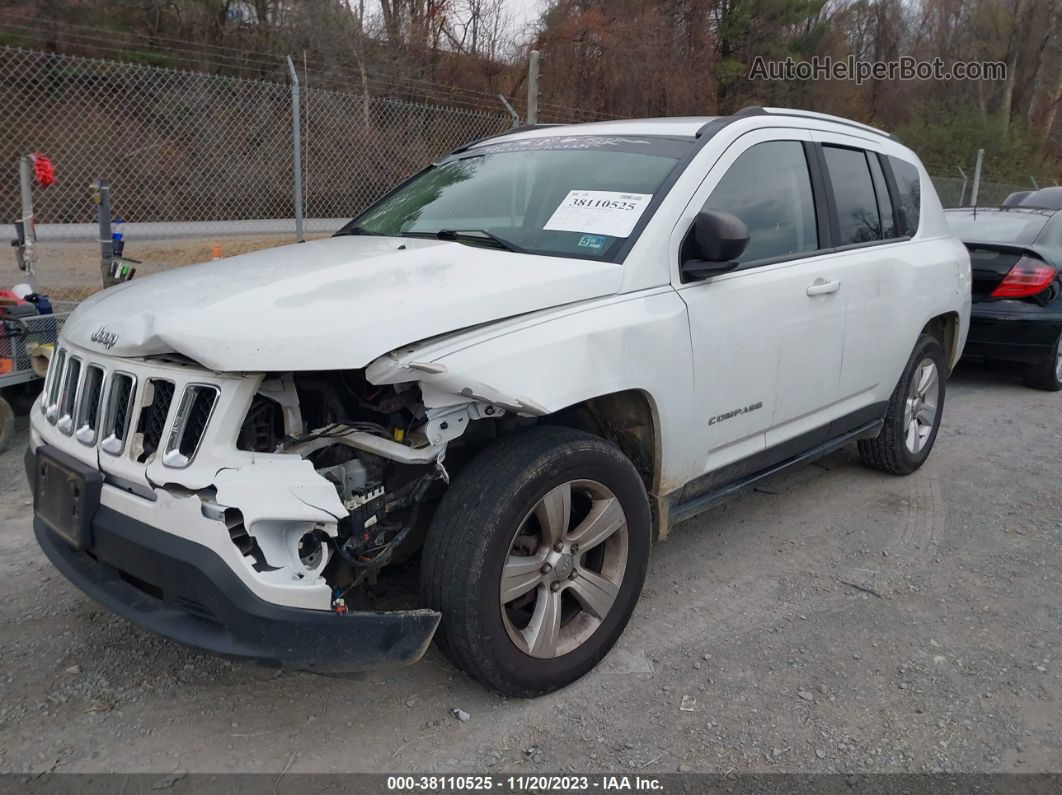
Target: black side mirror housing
(718,240)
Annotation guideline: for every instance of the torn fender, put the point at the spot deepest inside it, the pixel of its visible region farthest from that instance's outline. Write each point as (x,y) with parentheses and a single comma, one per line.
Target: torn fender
(441,388)
(540,365)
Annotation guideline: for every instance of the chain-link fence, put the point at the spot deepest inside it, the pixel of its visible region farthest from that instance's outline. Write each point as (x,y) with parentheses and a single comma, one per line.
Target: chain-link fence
(954,185)
(202,163)
(197,160)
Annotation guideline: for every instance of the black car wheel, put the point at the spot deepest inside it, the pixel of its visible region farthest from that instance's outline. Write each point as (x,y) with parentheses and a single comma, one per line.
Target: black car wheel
(913,415)
(536,558)
(1048,373)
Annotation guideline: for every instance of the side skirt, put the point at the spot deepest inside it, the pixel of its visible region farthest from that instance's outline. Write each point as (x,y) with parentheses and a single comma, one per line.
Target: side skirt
(690,508)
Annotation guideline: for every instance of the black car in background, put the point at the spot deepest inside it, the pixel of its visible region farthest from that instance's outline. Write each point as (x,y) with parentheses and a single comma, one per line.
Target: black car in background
(1016,255)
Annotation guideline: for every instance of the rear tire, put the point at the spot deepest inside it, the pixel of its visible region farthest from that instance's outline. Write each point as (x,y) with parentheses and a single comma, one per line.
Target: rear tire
(7,424)
(1047,374)
(536,558)
(913,415)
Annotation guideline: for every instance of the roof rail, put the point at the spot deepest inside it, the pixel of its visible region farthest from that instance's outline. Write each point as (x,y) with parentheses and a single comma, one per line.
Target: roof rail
(722,121)
(810,114)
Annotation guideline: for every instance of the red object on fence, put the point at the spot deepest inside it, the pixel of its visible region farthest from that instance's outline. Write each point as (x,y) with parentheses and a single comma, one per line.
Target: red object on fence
(9,298)
(43,169)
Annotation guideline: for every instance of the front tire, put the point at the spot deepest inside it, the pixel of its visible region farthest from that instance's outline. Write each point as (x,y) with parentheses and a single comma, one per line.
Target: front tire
(536,558)
(913,416)
(1047,374)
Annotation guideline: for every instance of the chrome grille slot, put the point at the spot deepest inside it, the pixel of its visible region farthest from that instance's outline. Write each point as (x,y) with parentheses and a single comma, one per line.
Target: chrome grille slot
(153,418)
(88,409)
(119,411)
(189,424)
(68,396)
(55,375)
(142,411)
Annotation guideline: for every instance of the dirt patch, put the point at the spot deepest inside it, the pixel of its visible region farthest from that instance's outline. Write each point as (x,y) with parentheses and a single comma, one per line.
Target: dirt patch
(70,271)
(839,620)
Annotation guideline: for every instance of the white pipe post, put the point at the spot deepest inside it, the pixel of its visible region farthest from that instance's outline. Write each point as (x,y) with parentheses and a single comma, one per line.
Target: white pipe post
(296,142)
(977,178)
(532,88)
(306,124)
(29,233)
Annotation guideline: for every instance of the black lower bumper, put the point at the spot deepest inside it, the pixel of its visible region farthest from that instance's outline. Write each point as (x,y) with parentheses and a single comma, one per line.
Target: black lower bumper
(1022,333)
(185,592)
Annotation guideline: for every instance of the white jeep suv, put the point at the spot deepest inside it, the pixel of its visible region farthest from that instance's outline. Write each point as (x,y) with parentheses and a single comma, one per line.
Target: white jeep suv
(517,368)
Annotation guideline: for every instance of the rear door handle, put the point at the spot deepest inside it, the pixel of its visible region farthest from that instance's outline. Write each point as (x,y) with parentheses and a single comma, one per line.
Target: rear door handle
(823,287)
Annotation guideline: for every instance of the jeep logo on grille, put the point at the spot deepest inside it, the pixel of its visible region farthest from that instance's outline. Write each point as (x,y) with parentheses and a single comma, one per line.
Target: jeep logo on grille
(104,337)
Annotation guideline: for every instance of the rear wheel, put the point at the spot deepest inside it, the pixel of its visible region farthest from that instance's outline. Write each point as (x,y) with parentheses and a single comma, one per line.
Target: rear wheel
(7,424)
(536,558)
(1048,373)
(913,415)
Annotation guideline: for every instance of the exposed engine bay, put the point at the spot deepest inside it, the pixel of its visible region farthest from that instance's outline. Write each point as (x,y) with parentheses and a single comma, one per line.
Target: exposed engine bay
(386,454)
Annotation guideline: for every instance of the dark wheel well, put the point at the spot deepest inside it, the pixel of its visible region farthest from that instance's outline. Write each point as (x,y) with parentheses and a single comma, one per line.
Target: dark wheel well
(628,420)
(945,328)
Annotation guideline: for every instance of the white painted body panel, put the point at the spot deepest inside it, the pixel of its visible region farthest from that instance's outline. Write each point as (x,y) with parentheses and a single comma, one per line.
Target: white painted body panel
(631,342)
(329,304)
(891,291)
(758,338)
(532,334)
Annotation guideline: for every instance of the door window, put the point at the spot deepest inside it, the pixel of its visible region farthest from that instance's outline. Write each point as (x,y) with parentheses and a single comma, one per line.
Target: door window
(859,220)
(769,188)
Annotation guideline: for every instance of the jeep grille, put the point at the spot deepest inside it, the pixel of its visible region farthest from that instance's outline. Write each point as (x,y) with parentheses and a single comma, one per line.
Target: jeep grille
(99,405)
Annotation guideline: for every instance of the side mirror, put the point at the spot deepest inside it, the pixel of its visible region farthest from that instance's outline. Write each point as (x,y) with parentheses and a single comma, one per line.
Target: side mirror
(719,239)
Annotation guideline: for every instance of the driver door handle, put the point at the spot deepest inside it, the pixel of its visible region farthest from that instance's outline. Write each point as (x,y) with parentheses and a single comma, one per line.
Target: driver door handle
(823,287)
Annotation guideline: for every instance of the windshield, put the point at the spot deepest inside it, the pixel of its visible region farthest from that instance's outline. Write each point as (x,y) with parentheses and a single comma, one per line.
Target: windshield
(996,226)
(572,196)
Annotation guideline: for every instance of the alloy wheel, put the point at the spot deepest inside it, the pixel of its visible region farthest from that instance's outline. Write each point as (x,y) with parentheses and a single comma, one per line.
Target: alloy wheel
(920,408)
(564,569)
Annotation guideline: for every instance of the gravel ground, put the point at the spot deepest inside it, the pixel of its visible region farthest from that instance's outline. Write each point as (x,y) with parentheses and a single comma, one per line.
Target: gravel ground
(837,620)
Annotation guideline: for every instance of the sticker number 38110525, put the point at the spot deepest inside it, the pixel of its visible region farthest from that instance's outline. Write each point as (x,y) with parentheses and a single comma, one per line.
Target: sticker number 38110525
(599,212)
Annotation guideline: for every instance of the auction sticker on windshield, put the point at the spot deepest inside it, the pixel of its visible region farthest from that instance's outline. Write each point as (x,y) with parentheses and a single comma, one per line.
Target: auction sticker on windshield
(599,212)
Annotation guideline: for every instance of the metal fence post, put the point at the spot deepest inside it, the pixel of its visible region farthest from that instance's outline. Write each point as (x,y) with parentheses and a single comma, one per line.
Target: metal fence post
(532,88)
(977,178)
(306,130)
(962,191)
(512,113)
(101,195)
(296,143)
(155,188)
(29,233)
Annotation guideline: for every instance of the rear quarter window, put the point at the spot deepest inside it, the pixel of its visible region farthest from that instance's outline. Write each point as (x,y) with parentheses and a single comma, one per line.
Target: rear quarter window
(908,195)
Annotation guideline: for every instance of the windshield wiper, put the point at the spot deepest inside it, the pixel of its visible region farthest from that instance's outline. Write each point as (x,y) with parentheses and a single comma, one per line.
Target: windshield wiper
(357,230)
(479,236)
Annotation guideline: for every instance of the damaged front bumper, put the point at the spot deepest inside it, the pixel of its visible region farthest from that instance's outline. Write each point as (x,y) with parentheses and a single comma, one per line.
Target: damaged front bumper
(186,592)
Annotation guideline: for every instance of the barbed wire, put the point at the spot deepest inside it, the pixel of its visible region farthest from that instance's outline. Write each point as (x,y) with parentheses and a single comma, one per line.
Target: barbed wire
(340,77)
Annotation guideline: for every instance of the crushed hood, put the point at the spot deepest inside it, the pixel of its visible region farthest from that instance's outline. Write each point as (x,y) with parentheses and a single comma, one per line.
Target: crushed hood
(336,303)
